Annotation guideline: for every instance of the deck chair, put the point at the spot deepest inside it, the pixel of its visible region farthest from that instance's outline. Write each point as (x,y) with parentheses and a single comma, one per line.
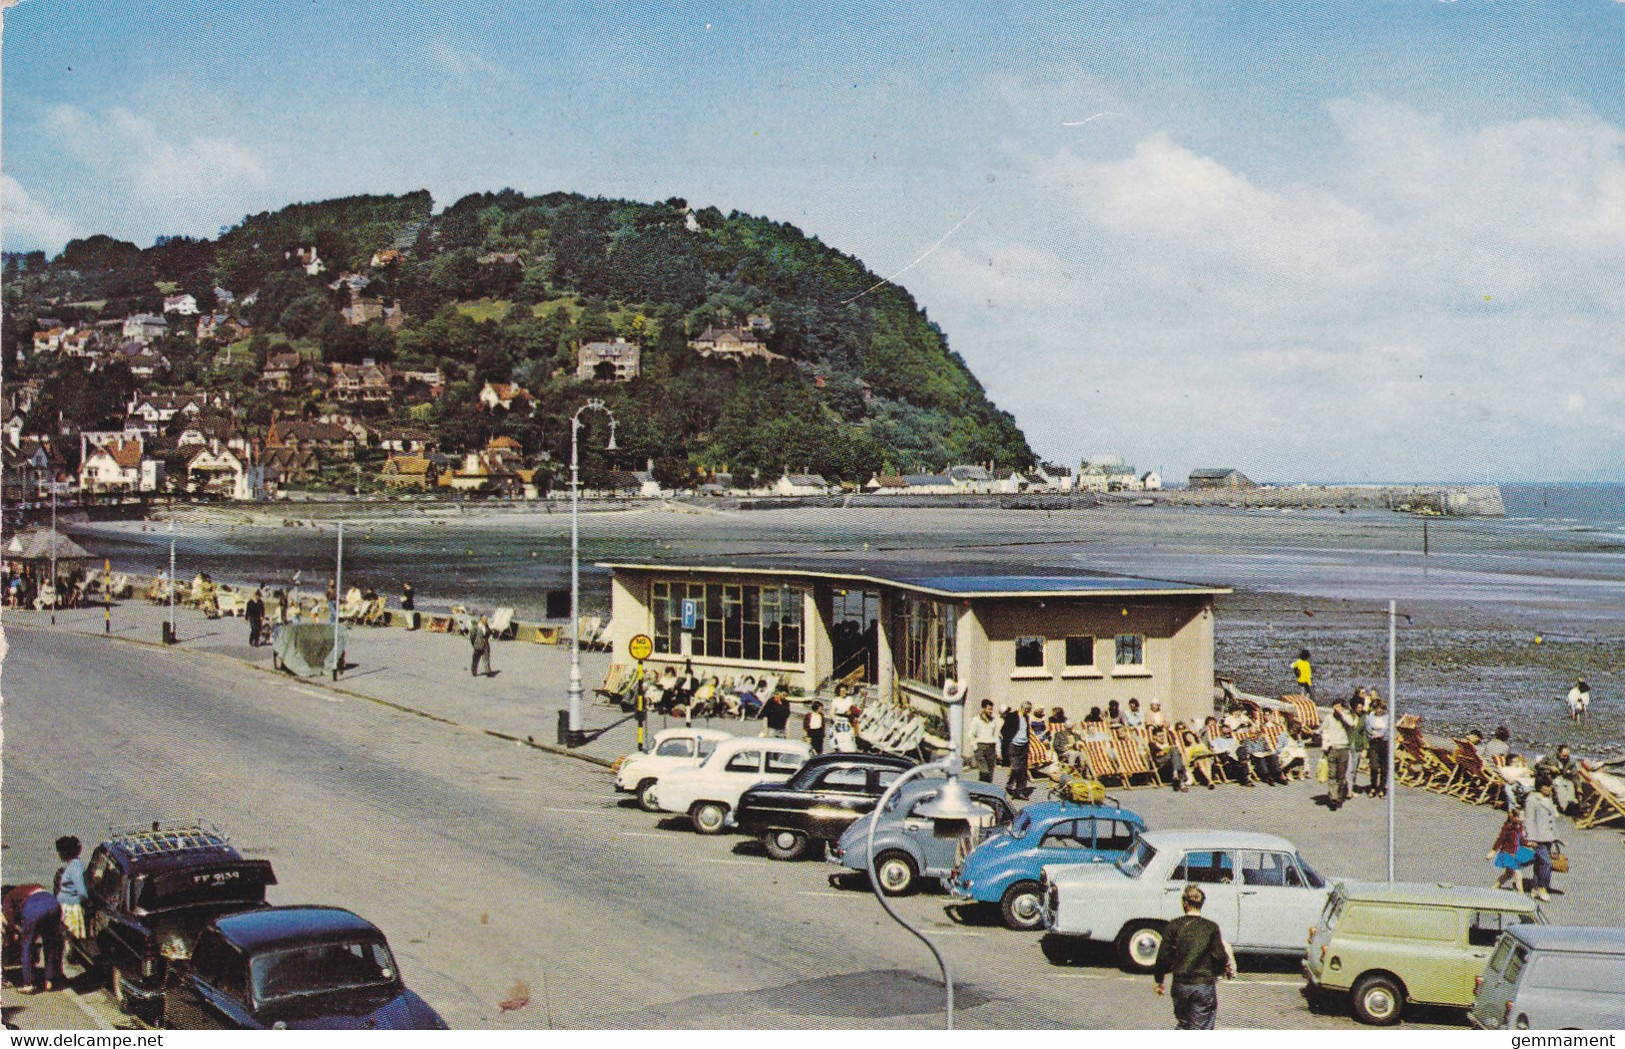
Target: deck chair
(462,620)
(1304,718)
(1473,782)
(502,624)
(587,628)
(376,612)
(231,603)
(615,681)
(119,585)
(1134,758)
(1600,805)
(1101,757)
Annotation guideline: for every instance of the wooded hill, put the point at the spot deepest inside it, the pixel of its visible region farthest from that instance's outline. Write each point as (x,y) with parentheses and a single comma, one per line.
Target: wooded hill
(504,287)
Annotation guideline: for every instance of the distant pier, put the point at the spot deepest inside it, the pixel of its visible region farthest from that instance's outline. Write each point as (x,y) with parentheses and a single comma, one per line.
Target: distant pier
(1443,500)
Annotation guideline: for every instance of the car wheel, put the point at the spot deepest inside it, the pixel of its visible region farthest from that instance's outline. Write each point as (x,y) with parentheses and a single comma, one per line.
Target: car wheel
(785,844)
(1378,1000)
(1138,946)
(1023,906)
(897,873)
(646,796)
(709,817)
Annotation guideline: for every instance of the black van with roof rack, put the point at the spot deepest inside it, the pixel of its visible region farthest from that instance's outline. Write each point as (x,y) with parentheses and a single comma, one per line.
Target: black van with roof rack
(151,892)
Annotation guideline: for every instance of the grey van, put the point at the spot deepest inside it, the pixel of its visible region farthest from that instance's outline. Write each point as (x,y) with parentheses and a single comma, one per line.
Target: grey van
(1547,977)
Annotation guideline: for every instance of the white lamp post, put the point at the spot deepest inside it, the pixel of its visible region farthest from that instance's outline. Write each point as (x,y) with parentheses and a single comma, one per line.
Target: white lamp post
(573,737)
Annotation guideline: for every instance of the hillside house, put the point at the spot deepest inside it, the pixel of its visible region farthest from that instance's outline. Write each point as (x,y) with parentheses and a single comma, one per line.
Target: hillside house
(801,484)
(365,383)
(157,409)
(142,362)
(408,471)
(1219,477)
(505,395)
(83,343)
(113,467)
(433,382)
(288,465)
(732,344)
(971,479)
(616,361)
(184,305)
(286,372)
(1151,481)
(405,441)
(145,327)
(1107,474)
(50,340)
(217,471)
(328,440)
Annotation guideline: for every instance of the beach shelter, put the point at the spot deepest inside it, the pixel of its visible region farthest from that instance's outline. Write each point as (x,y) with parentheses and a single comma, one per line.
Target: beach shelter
(34,548)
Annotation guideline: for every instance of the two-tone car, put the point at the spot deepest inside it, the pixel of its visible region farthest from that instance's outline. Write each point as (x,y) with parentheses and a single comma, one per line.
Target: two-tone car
(709,792)
(150,893)
(816,805)
(672,748)
(294,968)
(1006,868)
(1262,894)
(908,844)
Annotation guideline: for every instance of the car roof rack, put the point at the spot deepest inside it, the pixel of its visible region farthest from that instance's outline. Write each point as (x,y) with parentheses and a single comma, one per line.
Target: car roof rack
(157,839)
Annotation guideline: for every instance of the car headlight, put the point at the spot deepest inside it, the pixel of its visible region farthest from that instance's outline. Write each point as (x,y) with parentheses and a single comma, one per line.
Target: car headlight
(174,947)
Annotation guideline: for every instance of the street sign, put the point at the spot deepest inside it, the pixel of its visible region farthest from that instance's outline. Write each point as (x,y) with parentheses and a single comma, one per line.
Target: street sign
(691,613)
(640,647)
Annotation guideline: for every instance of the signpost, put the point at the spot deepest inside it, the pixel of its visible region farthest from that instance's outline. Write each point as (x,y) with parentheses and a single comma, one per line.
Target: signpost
(691,619)
(640,648)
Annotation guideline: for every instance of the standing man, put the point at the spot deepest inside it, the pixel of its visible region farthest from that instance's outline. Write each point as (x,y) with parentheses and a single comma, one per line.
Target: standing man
(1304,673)
(254,612)
(1017,785)
(1557,769)
(1357,740)
(1193,949)
(776,712)
(813,726)
(984,741)
(409,604)
(480,637)
(1334,739)
(1540,830)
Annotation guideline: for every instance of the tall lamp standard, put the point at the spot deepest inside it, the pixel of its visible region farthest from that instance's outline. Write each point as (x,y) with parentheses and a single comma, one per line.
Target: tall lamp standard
(573,732)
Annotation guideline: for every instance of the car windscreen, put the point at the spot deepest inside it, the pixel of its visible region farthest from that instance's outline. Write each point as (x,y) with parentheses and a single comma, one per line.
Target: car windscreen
(1137,858)
(219,883)
(320,968)
(675,748)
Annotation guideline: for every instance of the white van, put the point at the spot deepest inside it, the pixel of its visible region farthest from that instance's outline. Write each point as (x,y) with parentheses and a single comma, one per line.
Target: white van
(1549,977)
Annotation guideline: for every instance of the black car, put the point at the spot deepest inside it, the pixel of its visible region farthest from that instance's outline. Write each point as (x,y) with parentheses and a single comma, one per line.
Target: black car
(818,803)
(151,893)
(297,968)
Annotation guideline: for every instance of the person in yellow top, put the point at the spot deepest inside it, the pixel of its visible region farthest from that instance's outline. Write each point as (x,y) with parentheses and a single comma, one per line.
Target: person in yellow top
(1305,673)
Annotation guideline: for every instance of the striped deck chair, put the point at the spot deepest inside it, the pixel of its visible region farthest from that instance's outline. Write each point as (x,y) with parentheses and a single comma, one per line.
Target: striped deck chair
(615,682)
(1304,717)
(1134,757)
(1101,757)
(1601,805)
(1435,766)
(1473,782)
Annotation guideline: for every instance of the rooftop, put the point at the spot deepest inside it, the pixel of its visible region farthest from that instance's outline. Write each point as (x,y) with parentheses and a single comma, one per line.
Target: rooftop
(951,586)
(276,926)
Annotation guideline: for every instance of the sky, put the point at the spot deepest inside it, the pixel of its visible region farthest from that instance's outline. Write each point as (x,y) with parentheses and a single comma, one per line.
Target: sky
(1360,241)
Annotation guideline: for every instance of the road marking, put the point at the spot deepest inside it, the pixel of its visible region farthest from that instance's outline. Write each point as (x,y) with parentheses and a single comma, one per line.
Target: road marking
(315,695)
(641,834)
(736,863)
(567,812)
(836,895)
(1230,983)
(935,931)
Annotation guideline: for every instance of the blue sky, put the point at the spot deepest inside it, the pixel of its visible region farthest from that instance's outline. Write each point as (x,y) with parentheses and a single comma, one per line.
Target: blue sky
(1335,241)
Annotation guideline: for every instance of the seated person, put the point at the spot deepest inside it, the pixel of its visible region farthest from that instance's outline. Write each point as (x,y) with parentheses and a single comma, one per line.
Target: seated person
(1558,767)
(746,703)
(1198,758)
(1154,714)
(1132,716)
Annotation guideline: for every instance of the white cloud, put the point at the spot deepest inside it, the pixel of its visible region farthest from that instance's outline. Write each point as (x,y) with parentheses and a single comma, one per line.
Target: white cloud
(31,224)
(170,176)
(460,63)
(1428,304)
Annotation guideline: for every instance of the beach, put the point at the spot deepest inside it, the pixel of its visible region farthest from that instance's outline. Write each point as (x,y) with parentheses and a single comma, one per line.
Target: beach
(1496,621)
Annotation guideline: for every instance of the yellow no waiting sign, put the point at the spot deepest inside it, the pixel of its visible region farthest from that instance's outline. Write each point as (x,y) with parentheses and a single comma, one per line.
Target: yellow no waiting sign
(640,647)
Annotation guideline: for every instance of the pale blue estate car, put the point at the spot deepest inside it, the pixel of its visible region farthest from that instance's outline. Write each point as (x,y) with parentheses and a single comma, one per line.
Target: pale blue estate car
(910,846)
(1008,867)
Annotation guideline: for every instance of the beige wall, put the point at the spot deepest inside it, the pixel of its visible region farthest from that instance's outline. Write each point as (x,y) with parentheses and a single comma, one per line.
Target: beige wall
(1178,667)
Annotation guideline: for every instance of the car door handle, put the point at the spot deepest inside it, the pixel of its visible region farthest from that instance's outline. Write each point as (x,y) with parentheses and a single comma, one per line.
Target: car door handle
(1249,892)
(1173,888)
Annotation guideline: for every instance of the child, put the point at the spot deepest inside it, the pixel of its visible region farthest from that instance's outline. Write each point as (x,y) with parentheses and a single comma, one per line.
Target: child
(1510,853)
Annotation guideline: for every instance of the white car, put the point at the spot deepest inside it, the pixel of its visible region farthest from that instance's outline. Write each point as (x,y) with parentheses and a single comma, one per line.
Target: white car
(1259,891)
(709,792)
(674,748)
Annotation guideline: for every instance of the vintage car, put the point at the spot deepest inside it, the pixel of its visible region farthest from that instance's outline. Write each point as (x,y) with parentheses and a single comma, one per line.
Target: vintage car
(1259,891)
(296,968)
(709,792)
(673,748)
(1379,945)
(818,803)
(1006,868)
(908,844)
(1547,977)
(151,893)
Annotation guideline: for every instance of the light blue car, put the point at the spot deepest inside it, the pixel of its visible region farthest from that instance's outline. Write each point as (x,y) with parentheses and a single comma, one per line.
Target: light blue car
(909,845)
(1007,868)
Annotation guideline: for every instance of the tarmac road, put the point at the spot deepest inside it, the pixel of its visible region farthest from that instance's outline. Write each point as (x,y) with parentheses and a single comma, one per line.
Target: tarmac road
(497,869)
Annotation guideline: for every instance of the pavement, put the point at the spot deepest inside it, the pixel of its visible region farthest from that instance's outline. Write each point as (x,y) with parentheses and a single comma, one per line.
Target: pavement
(438,805)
